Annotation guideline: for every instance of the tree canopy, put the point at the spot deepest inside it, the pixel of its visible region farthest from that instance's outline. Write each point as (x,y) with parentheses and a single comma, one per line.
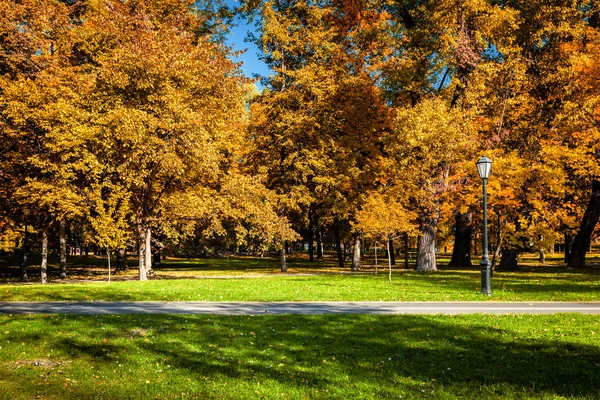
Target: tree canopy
(131,121)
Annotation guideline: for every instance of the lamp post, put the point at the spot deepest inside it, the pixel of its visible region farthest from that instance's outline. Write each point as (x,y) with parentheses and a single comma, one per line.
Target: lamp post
(484,167)
(23,271)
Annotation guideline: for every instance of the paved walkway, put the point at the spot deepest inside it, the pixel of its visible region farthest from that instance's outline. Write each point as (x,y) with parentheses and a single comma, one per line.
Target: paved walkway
(266,308)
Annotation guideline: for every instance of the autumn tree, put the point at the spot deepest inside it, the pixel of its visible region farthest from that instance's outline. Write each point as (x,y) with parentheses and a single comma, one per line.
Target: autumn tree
(40,94)
(429,143)
(574,147)
(242,211)
(437,49)
(383,218)
(317,124)
(502,62)
(165,104)
(109,216)
(521,95)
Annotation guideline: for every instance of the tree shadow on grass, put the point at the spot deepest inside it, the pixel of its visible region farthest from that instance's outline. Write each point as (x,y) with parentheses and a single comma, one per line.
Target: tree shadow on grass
(95,267)
(366,356)
(241,263)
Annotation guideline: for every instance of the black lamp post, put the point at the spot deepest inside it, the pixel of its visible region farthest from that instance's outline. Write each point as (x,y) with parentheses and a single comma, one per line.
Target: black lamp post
(484,167)
(23,271)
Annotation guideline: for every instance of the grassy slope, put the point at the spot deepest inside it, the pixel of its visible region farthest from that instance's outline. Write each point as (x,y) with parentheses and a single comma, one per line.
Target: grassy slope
(294,357)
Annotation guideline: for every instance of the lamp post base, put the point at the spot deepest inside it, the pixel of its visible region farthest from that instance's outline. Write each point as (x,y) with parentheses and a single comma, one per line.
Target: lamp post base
(485,277)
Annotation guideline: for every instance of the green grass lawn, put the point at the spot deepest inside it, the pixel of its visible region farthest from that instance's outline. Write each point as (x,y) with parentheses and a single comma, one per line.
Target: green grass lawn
(95,267)
(253,279)
(408,286)
(297,357)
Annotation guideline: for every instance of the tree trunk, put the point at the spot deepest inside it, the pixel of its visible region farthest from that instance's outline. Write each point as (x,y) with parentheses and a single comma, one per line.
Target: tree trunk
(375,257)
(44,265)
(157,257)
(461,255)
(406,255)
(426,247)
(569,239)
(121,259)
(338,244)
(356,253)
(364,249)
(141,231)
(148,249)
(542,255)
(496,254)
(390,249)
(311,239)
(63,249)
(508,262)
(24,265)
(389,261)
(583,239)
(108,259)
(319,244)
(499,241)
(282,258)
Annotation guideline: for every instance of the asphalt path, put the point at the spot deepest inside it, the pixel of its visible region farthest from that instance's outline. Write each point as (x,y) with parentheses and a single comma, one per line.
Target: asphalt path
(267,308)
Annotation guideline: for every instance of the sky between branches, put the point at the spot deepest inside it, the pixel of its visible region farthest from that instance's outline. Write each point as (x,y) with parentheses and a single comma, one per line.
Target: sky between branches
(251,64)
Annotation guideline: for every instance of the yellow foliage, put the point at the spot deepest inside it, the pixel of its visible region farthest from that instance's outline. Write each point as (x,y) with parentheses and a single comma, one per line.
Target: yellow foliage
(382,217)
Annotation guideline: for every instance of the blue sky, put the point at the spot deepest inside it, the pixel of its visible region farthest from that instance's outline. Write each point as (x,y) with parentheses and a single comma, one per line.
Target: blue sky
(251,63)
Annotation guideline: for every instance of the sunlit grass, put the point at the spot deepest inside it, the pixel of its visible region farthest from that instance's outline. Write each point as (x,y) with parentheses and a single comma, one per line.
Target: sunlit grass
(295,357)
(405,286)
(256,279)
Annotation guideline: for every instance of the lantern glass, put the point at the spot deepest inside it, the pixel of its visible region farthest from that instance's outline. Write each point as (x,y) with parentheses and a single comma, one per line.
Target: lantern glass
(484,167)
